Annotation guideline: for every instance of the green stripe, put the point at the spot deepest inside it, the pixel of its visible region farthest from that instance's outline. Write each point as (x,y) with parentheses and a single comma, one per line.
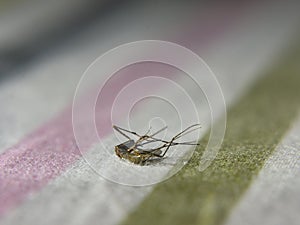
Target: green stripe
(255,126)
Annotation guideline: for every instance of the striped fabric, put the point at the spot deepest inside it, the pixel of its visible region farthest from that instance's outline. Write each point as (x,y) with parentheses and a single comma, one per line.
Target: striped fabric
(44,178)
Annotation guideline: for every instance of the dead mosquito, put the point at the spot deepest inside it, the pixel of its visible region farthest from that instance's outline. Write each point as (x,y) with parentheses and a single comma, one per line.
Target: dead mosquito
(134,152)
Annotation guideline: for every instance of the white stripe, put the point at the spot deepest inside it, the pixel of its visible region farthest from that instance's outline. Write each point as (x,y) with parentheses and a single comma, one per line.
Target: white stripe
(81,197)
(274,196)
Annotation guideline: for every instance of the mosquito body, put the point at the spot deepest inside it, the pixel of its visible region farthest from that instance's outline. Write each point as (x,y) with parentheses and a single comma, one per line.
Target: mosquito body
(134,152)
(136,156)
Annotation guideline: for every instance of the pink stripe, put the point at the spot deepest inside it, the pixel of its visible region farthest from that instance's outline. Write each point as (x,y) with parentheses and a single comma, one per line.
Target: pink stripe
(50,150)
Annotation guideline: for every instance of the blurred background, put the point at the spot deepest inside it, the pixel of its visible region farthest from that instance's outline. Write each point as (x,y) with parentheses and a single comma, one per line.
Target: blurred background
(45,46)
(35,29)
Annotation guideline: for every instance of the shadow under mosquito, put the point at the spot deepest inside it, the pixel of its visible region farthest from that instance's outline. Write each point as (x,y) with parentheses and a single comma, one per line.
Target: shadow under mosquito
(166,161)
(159,162)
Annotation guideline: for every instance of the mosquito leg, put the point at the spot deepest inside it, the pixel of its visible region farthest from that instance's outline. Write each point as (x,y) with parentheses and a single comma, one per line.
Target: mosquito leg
(168,147)
(157,132)
(186,131)
(120,130)
(172,143)
(152,137)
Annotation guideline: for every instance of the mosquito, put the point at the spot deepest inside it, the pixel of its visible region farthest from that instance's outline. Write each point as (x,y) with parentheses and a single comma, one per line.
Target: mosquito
(134,152)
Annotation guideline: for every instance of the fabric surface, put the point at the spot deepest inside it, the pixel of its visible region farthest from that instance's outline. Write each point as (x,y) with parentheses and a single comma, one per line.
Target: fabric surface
(273,197)
(44,178)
